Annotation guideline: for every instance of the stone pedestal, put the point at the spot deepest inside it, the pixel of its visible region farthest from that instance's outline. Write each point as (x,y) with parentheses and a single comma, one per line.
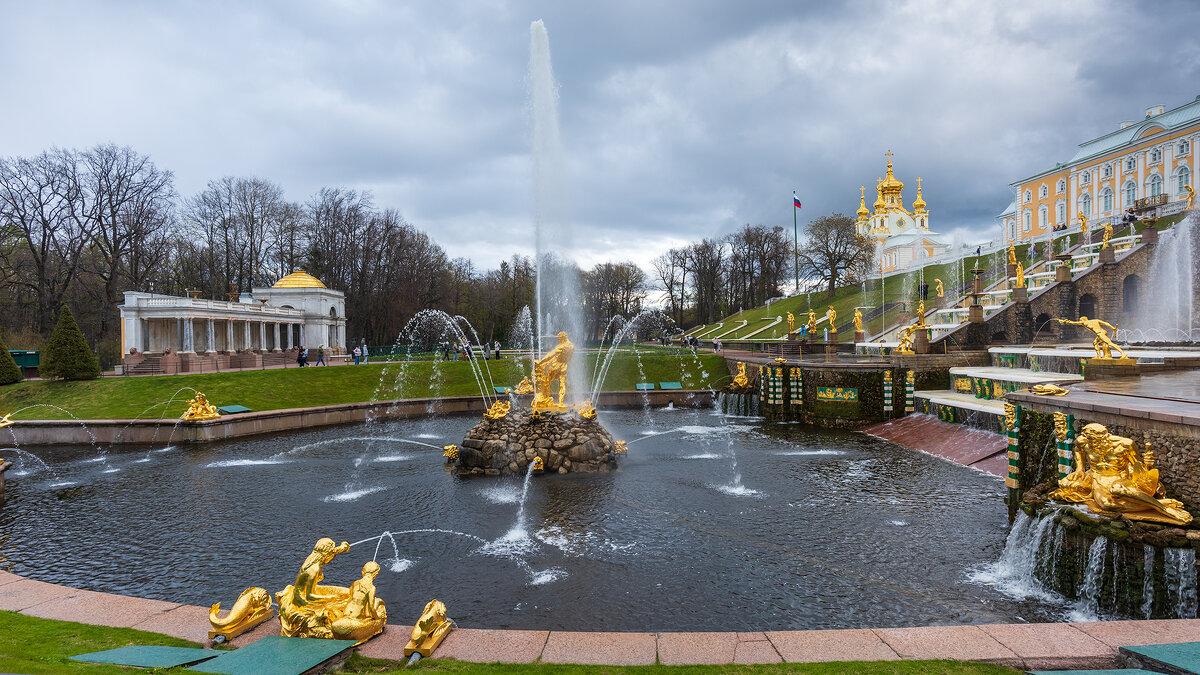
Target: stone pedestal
(859,336)
(1149,236)
(921,341)
(1020,294)
(1062,273)
(1108,255)
(1099,369)
(940,303)
(831,350)
(1012,270)
(975,314)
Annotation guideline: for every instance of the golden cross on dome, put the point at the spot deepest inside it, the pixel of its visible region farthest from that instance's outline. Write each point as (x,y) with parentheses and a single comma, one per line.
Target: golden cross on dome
(888,154)
(918,181)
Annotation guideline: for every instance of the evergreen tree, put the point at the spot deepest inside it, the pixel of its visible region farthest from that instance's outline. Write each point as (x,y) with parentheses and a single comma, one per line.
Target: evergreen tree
(9,371)
(67,354)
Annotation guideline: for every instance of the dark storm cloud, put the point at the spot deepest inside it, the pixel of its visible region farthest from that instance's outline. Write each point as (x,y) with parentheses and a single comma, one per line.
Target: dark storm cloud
(679,120)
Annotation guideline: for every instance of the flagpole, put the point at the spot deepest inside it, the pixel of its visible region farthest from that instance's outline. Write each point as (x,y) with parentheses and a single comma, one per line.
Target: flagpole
(795,243)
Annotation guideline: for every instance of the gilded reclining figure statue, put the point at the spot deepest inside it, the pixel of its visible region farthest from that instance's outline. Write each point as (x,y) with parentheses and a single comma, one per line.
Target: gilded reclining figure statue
(307,609)
(252,607)
(1111,479)
(430,630)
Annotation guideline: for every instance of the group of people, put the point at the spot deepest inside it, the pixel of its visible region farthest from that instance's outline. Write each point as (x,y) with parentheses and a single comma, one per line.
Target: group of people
(453,352)
(302,357)
(361,353)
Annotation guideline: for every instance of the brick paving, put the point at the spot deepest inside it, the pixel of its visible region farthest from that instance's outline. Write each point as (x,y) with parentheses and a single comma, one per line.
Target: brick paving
(1029,646)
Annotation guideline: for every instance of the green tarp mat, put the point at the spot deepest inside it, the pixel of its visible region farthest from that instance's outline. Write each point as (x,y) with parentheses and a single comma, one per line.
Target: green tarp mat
(670,385)
(502,390)
(1124,671)
(146,656)
(1184,656)
(275,655)
(232,409)
(643,386)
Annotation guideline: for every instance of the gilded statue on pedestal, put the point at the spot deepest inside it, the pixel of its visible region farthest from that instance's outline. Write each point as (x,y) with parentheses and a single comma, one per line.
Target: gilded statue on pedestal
(1103,344)
(857,320)
(1191,197)
(1082,224)
(1110,478)
(200,409)
(252,607)
(905,337)
(921,313)
(831,316)
(307,609)
(741,380)
(812,321)
(1107,234)
(791,323)
(551,367)
(1012,253)
(1020,282)
(941,291)
(429,630)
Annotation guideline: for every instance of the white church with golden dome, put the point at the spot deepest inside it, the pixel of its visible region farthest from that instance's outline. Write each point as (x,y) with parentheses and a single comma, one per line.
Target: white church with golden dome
(171,334)
(901,236)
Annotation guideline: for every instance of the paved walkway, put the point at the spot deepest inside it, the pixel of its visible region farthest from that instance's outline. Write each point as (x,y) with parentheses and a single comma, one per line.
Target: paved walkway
(1029,646)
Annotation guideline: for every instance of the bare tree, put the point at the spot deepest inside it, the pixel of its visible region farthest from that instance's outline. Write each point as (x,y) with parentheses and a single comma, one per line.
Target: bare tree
(834,251)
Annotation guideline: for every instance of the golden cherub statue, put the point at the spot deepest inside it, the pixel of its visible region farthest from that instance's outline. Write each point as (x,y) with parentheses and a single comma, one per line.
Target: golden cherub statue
(857,320)
(200,409)
(941,291)
(1110,478)
(252,607)
(498,410)
(430,630)
(1020,282)
(906,339)
(551,367)
(524,388)
(791,323)
(741,380)
(1012,253)
(1082,223)
(1103,344)
(307,609)
(831,316)
(1108,232)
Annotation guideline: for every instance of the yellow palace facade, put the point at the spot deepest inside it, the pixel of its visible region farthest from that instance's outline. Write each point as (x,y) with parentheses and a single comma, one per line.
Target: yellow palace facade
(1143,165)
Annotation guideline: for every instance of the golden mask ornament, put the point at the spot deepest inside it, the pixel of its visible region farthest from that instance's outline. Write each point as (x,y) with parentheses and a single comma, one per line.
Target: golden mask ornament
(551,367)
(1010,416)
(1103,344)
(1060,427)
(430,630)
(498,410)
(537,466)
(1111,478)
(450,452)
(307,609)
(251,608)
(200,409)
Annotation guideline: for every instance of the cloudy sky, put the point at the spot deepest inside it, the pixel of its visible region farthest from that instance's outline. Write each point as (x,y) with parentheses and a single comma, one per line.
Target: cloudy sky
(680,120)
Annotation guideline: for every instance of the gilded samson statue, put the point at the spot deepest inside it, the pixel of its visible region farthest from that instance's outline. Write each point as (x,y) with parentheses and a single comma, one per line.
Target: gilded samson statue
(791,323)
(1110,478)
(551,367)
(1103,344)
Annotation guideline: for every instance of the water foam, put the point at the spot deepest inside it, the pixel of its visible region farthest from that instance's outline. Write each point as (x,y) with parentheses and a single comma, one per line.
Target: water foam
(244,462)
(393,458)
(809,453)
(353,495)
(502,494)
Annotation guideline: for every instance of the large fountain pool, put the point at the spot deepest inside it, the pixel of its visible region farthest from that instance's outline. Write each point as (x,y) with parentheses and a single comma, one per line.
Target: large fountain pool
(710,523)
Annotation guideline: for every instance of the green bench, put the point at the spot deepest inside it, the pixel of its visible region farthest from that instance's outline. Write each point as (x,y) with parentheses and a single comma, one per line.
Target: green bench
(670,385)
(644,386)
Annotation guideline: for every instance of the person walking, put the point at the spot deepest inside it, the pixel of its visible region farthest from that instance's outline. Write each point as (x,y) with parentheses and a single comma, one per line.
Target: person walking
(300,356)
(357,354)
(455,351)
(496,347)
(321,356)
(366,353)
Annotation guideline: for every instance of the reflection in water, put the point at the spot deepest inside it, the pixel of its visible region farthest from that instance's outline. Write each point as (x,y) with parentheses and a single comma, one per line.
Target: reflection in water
(829,530)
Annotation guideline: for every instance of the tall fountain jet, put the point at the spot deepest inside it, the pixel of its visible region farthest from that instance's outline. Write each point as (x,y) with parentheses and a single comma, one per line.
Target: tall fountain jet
(557,300)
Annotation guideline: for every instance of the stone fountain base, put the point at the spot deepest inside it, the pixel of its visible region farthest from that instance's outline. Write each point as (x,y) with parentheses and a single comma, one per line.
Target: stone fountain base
(566,443)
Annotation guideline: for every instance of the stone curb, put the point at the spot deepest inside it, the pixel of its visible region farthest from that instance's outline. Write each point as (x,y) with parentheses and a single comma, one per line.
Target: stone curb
(1024,646)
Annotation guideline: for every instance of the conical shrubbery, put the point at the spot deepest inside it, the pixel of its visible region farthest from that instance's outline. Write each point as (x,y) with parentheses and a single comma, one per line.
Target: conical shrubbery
(67,354)
(9,370)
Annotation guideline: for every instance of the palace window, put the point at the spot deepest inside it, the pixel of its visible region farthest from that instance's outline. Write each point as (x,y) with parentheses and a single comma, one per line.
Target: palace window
(1085,178)
(1156,185)
(1028,196)
(1108,170)
(1106,201)
(1185,178)
(1028,221)
(1012,229)
(1131,164)
(1060,212)
(1130,194)
(1061,187)
(1185,146)
(1042,192)
(1043,217)
(1085,204)
(1155,156)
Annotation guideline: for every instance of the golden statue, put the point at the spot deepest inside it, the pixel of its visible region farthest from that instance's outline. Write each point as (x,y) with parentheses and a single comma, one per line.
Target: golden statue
(450,452)
(741,380)
(430,630)
(586,410)
(1049,390)
(1191,197)
(200,409)
(1020,282)
(921,313)
(857,320)
(307,609)
(1010,416)
(524,388)
(537,466)
(620,447)
(1110,478)
(831,316)
(1060,427)
(252,607)
(1082,223)
(498,410)
(791,323)
(1107,234)
(1103,344)
(941,291)
(5,422)
(906,339)
(780,360)
(551,367)
(812,321)
(1012,253)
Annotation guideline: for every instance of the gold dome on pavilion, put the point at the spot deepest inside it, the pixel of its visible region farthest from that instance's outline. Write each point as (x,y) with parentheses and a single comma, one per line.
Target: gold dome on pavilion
(299,279)
(862,212)
(891,183)
(919,203)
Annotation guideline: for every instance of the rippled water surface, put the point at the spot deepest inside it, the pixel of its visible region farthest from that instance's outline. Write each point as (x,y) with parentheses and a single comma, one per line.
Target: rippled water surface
(709,524)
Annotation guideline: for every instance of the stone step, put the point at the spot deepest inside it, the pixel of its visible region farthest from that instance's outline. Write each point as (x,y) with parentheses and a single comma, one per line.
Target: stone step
(961,400)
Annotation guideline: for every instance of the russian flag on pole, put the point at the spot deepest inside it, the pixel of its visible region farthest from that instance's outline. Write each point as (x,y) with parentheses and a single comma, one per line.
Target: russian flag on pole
(795,200)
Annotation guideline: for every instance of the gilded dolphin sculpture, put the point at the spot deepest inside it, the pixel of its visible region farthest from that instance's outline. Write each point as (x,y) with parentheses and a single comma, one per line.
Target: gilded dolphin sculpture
(252,607)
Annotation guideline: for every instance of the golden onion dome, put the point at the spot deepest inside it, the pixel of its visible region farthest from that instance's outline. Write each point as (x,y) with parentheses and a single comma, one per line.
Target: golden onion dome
(891,183)
(879,203)
(299,279)
(862,203)
(919,203)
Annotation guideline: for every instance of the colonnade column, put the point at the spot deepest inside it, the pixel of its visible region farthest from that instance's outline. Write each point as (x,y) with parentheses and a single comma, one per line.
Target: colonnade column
(189,337)
(262,335)
(276,344)
(289,335)
(301,332)
(212,336)
(229,347)
(246,344)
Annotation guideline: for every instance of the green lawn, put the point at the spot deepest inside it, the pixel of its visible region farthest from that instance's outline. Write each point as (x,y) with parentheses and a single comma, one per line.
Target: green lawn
(130,397)
(41,646)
